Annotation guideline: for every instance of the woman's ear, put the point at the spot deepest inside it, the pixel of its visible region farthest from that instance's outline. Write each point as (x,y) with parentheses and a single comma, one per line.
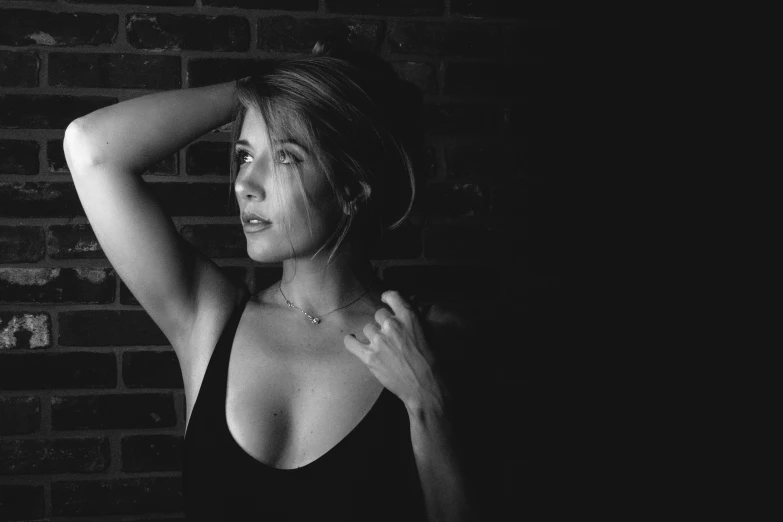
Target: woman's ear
(359,194)
(349,207)
(364,191)
(348,201)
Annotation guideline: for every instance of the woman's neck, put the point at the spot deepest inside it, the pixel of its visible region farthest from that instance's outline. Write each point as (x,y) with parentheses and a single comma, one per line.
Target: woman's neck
(318,288)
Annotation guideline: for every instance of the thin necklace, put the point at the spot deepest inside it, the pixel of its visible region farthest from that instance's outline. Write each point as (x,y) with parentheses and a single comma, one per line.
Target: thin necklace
(316,319)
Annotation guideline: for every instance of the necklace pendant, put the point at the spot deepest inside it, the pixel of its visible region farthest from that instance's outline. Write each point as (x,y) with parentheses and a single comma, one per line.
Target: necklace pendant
(316,320)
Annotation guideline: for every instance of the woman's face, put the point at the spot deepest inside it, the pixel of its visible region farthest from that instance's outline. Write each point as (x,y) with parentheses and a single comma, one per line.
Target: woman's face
(278,197)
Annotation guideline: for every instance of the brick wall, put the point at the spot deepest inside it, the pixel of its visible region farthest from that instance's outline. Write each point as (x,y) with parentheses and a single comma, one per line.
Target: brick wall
(92,403)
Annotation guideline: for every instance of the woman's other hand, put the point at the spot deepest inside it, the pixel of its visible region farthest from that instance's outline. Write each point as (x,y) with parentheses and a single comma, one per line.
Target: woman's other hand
(399,354)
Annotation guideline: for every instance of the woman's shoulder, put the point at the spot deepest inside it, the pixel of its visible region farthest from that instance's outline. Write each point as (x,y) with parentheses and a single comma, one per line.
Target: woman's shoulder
(446,314)
(452,328)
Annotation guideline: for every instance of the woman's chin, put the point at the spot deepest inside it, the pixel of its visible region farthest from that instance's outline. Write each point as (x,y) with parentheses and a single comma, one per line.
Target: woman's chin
(263,255)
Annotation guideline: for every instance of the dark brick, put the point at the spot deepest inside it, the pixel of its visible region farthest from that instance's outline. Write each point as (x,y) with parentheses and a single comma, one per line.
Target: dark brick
(509,9)
(18,157)
(26,27)
(39,199)
(112,412)
(55,157)
(422,75)
(466,241)
(217,240)
(30,456)
(404,242)
(27,111)
(485,79)
(152,453)
(109,328)
(19,416)
(42,371)
(288,34)
(25,330)
(530,41)
(439,283)
(208,158)
(236,274)
(136,2)
(19,69)
(165,167)
(188,32)
(193,199)
(266,277)
(120,496)
(57,285)
(483,161)
(460,119)
(387,7)
(454,200)
(439,39)
(60,199)
(145,369)
(286,5)
(21,502)
(117,71)
(208,71)
(73,242)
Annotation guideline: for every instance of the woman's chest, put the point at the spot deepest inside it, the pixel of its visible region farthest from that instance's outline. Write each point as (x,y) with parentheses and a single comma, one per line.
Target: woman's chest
(293,396)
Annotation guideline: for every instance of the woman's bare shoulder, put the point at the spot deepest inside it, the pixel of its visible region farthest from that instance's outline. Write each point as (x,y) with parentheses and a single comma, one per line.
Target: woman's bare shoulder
(452,329)
(446,314)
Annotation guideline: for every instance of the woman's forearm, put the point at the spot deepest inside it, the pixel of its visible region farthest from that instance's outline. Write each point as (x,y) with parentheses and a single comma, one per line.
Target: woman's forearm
(448,494)
(138,133)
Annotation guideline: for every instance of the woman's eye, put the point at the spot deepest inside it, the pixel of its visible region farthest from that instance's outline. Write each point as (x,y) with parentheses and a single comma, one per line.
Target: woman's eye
(283,156)
(240,156)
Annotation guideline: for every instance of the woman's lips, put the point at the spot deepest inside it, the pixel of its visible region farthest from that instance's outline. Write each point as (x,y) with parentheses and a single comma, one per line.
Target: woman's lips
(251,228)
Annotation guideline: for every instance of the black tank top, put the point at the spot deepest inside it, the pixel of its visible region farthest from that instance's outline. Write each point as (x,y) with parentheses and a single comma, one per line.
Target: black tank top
(369,475)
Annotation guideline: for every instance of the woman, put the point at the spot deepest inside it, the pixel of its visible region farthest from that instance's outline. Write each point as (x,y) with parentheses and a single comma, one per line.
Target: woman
(320,395)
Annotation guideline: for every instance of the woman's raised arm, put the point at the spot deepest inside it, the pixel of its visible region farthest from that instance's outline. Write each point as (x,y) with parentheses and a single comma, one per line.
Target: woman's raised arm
(106,151)
(135,134)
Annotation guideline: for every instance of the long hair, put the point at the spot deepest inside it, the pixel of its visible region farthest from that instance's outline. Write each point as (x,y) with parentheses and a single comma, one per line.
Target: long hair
(360,124)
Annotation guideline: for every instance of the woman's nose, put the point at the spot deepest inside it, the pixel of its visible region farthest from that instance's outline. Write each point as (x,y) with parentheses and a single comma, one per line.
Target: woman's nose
(249,184)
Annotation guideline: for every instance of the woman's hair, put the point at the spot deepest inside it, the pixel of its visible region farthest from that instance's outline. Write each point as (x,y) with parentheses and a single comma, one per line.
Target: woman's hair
(360,123)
